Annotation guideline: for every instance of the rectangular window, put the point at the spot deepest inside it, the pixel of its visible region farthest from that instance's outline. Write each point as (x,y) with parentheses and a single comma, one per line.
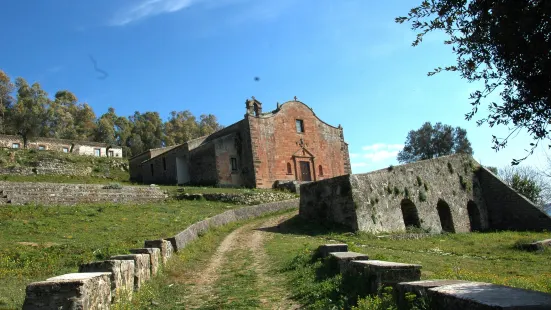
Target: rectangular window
(65,150)
(300,125)
(15,145)
(164,163)
(111,154)
(151,169)
(97,152)
(41,147)
(233,164)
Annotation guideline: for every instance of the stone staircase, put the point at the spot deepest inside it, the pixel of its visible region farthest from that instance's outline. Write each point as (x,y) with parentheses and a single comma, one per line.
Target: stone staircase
(19,193)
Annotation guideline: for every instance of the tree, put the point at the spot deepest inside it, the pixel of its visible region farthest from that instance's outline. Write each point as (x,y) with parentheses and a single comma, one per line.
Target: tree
(181,127)
(105,128)
(504,44)
(148,127)
(528,182)
(430,142)
(29,114)
(6,99)
(208,124)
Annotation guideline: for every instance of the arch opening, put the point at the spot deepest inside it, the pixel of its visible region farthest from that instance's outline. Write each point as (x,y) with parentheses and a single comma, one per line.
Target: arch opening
(474,216)
(445,214)
(410,214)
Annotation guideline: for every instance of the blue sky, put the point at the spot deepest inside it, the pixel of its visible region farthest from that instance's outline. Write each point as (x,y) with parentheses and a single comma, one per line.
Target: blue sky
(347,59)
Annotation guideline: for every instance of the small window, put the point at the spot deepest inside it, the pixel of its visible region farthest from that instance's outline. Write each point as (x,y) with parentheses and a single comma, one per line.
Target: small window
(289,169)
(111,154)
(151,165)
(300,125)
(320,168)
(15,145)
(233,164)
(164,163)
(65,150)
(41,147)
(97,152)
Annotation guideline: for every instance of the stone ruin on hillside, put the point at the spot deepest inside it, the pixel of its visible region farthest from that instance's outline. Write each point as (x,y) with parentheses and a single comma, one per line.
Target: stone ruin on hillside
(446,194)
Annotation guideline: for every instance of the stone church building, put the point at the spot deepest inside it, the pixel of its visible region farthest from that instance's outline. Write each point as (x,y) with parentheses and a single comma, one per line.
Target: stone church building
(287,144)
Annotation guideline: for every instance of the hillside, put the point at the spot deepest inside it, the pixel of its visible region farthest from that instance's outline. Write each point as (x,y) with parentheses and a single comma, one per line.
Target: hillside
(49,166)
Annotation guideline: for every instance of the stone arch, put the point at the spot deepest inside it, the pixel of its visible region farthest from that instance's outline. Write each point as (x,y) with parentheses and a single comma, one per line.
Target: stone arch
(474,216)
(410,214)
(445,214)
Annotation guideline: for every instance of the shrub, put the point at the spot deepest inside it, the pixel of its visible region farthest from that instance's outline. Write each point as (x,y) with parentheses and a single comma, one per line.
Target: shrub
(426,185)
(390,168)
(396,191)
(450,167)
(383,302)
(406,192)
(419,181)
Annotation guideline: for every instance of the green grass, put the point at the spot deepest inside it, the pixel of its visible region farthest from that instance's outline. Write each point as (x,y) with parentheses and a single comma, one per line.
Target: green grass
(487,257)
(38,242)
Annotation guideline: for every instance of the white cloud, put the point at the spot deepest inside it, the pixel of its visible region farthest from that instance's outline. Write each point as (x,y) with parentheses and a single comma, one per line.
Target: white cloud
(148,8)
(375,156)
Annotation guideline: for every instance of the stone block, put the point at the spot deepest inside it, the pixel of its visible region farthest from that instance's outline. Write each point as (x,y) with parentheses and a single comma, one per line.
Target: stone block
(121,275)
(154,258)
(142,269)
(377,274)
(183,238)
(85,291)
(485,296)
(222,219)
(324,250)
(164,245)
(419,288)
(536,246)
(343,259)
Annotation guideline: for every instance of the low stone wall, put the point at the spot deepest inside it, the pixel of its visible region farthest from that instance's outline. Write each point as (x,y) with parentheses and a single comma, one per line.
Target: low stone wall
(94,286)
(17,193)
(362,277)
(242,198)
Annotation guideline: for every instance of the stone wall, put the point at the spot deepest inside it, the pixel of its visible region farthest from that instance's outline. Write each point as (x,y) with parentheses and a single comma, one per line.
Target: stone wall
(100,283)
(277,144)
(50,167)
(443,194)
(16,193)
(508,210)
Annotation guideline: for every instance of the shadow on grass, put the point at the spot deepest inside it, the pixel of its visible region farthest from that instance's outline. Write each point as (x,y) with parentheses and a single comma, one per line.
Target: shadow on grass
(297,225)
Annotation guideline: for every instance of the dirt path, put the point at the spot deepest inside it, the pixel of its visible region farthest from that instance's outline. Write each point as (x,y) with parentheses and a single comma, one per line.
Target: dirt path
(247,240)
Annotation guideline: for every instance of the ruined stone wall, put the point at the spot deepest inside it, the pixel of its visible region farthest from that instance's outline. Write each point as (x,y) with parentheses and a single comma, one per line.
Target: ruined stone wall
(508,210)
(275,143)
(226,148)
(376,199)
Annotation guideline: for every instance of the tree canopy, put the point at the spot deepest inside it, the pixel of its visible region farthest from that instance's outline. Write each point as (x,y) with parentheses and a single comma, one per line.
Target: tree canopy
(505,45)
(434,141)
(27,111)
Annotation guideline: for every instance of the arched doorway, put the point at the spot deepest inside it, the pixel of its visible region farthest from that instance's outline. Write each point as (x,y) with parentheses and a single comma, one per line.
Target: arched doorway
(474,216)
(445,216)
(409,212)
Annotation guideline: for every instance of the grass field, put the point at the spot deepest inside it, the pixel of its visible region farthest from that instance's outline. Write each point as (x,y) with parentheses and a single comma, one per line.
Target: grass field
(39,242)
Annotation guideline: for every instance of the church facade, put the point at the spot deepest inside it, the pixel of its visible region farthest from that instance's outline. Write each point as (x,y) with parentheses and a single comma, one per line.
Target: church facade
(289,143)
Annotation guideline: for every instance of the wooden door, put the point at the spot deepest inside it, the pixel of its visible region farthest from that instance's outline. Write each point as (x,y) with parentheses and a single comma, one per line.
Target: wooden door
(305,171)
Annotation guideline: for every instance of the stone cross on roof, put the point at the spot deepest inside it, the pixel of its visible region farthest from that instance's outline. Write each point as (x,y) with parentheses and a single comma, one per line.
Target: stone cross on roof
(295,98)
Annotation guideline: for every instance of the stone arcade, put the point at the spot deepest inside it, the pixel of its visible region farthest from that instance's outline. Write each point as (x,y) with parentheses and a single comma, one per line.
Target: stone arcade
(446,194)
(288,144)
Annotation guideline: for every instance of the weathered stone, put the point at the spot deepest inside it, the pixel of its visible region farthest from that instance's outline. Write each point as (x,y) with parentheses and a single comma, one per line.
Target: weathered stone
(142,270)
(324,250)
(446,194)
(536,246)
(419,288)
(182,239)
(222,219)
(85,291)
(121,275)
(343,259)
(378,274)
(154,258)
(485,296)
(164,245)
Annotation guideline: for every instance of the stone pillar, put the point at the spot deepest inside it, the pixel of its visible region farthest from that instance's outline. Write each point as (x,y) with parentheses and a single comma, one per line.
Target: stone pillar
(164,245)
(142,270)
(122,276)
(83,291)
(154,258)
